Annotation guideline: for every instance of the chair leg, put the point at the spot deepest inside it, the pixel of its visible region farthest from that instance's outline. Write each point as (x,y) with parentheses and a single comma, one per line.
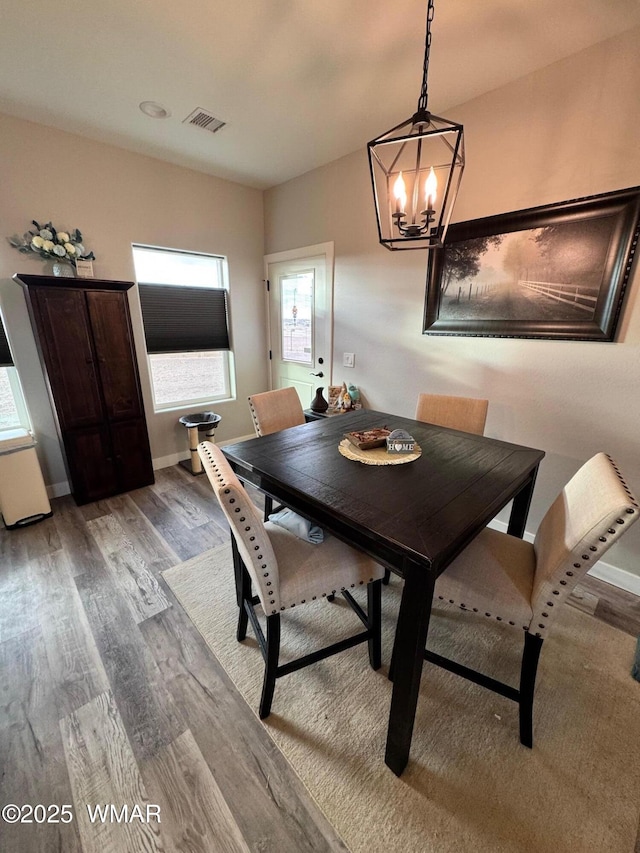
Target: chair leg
(271,664)
(387,577)
(245,595)
(268,506)
(374,622)
(238,568)
(530,657)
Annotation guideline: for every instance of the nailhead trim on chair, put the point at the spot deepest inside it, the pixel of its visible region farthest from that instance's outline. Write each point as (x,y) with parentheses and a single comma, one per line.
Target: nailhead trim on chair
(585,558)
(254,417)
(475,610)
(242,519)
(258,546)
(593,548)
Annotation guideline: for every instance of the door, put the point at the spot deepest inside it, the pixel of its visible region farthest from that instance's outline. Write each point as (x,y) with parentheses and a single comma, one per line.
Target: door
(300,303)
(114,351)
(65,338)
(92,467)
(131,454)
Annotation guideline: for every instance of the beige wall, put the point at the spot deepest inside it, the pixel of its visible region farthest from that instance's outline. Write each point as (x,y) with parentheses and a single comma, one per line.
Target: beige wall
(117,198)
(567,131)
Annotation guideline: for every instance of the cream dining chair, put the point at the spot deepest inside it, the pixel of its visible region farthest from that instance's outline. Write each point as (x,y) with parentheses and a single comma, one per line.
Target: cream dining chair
(523,584)
(289,572)
(275,410)
(468,414)
(272,411)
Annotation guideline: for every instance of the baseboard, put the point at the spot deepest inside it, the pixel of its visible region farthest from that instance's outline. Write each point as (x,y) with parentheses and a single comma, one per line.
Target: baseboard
(173,458)
(616,577)
(168,461)
(602,571)
(235,440)
(57,490)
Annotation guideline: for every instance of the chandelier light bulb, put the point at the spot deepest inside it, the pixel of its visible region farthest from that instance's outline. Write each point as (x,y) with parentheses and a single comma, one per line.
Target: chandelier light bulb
(400,192)
(431,189)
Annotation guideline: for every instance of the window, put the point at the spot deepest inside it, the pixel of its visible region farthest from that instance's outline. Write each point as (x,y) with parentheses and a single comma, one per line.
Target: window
(13,410)
(183,296)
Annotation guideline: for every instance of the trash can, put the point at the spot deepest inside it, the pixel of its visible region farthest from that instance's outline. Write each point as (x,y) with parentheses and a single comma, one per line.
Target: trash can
(23,495)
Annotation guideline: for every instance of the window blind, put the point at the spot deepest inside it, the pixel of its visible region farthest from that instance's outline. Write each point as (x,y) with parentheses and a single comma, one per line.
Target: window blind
(178,318)
(5,353)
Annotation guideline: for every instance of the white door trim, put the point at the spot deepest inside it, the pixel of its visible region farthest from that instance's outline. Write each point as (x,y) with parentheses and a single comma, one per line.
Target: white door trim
(326,249)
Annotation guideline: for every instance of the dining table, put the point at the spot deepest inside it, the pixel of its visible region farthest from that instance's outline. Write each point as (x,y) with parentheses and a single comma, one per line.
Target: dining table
(413,518)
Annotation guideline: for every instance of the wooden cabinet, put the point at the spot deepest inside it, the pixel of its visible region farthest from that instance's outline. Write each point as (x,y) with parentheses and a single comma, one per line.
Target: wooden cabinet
(83,332)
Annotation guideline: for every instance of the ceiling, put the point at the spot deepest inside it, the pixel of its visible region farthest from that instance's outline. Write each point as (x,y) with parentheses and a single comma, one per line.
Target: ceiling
(298,82)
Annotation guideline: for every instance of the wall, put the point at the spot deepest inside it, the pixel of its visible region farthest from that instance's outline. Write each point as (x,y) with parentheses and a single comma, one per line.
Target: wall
(117,198)
(567,131)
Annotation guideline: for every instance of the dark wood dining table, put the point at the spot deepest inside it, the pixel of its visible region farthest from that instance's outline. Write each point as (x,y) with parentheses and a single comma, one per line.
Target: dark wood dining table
(414,518)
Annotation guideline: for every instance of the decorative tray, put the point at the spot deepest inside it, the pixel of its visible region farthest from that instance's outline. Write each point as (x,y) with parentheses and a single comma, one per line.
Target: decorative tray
(368,438)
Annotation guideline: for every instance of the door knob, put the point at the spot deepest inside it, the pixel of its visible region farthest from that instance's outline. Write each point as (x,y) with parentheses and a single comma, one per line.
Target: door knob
(320,373)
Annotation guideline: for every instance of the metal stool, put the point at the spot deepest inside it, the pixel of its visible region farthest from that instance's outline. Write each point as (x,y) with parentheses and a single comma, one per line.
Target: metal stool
(198,422)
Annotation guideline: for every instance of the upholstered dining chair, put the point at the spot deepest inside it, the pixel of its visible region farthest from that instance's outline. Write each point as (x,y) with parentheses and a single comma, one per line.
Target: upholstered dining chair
(289,572)
(272,411)
(275,410)
(524,584)
(468,414)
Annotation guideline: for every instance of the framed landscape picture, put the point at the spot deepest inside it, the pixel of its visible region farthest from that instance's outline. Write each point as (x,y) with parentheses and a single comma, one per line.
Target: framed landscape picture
(556,272)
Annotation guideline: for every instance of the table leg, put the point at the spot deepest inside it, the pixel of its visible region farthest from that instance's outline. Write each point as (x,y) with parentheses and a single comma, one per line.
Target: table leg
(520,507)
(408,657)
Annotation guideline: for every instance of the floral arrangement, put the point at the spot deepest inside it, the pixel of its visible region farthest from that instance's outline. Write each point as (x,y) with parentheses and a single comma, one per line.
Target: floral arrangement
(52,244)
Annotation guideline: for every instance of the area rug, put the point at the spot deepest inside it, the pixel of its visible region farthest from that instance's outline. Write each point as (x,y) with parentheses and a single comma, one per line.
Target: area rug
(469,784)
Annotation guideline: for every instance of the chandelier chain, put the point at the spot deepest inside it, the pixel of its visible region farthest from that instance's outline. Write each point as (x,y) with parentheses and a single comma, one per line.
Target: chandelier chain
(424,91)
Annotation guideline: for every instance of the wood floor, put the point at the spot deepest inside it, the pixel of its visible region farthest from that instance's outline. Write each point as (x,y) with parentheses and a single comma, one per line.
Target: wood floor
(108,695)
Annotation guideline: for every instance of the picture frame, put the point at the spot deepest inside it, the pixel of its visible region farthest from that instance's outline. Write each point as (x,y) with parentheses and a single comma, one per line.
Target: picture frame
(84,269)
(556,272)
(333,392)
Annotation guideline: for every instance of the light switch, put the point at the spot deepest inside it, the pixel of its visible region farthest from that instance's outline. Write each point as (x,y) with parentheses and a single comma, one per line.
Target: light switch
(348,359)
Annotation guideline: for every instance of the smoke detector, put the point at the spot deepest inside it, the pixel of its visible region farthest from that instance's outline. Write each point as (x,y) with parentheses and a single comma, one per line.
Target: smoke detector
(205,120)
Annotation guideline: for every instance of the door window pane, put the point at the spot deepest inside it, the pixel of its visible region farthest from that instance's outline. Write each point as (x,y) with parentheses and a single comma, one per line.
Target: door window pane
(296,304)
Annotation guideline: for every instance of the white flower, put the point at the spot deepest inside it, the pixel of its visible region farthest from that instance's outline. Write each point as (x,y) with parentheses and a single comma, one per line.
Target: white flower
(49,243)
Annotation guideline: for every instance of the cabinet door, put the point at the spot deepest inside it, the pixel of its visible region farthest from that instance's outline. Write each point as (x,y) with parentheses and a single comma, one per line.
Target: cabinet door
(115,353)
(132,454)
(65,338)
(92,467)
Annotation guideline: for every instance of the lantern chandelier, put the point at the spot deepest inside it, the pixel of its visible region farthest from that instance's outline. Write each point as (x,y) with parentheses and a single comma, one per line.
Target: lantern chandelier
(415,171)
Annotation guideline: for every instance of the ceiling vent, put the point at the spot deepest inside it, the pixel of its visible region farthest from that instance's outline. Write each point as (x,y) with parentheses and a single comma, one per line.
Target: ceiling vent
(202,118)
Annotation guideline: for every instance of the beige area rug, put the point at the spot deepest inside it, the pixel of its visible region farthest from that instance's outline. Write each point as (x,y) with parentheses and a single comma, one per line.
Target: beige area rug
(469,785)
